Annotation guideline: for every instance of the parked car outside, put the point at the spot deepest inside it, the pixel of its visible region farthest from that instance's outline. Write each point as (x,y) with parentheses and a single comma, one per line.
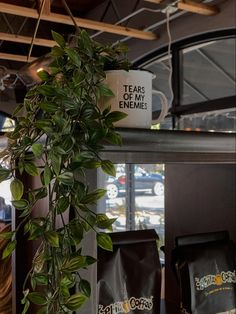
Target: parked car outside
(144,182)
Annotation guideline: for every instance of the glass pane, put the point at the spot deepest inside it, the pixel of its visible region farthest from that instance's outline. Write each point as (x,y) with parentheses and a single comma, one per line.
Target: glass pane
(223,121)
(6,124)
(161,70)
(115,201)
(149,199)
(136,198)
(5,197)
(208,71)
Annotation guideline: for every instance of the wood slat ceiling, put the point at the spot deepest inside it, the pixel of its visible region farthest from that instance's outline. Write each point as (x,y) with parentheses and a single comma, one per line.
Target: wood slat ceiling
(21,41)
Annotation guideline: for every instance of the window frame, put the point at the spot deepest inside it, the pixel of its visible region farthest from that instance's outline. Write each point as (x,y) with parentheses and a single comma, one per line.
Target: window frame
(177,109)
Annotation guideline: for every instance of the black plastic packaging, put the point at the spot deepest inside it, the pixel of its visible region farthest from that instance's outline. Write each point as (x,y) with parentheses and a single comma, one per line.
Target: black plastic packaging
(129,278)
(206,268)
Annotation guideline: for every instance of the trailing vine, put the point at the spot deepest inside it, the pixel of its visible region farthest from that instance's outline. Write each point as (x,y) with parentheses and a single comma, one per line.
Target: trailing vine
(58,137)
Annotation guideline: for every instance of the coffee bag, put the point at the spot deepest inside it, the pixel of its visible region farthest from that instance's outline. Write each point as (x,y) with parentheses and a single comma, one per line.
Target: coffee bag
(129,278)
(206,268)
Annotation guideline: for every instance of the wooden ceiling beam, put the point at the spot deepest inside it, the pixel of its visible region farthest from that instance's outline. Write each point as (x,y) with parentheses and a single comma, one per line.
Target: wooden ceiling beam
(199,8)
(85,23)
(13,57)
(27,40)
(155,1)
(46,8)
(192,6)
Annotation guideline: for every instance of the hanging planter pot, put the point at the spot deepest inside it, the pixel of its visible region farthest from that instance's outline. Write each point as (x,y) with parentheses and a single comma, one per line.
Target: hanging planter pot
(133,95)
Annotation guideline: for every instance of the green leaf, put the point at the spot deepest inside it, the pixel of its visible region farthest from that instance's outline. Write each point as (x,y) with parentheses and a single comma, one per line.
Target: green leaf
(52,237)
(26,307)
(74,263)
(21,166)
(66,144)
(9,249)
(75,301)
(25,212)
(93,196)
(66,283)
(48,106)
(104,241)
(85,43)
(65,291)
(56,162)
(76,230)
(35,230)
(42,192)
(103,222)
(86,226)
(91,219)
(43,310)
(39,262)
(44,125)
(58,39)
(62,204)
(37,298)
(114,138)
(84,287)
(108,167)
(41,279)
(91,164)
(106,111)
(47,175)
(37,149)
(17,110)
(104,90)
(90,260)
(31,169)
(4,174)
(115,116)
(20,204)
(43,75)
(74,56)
(66,178)
(6,235)
(56,51)
(47,90)
(17,189)
(78,77)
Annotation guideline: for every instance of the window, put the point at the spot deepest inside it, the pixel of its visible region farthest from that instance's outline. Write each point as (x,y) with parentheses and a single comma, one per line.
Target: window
(5,200)
(208,71)
(6,124)
(161,70)
(135,197)
(220,121)
(203,81)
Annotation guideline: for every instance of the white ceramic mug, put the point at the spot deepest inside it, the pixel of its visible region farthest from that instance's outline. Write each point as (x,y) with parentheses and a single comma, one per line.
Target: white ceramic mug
(133,95)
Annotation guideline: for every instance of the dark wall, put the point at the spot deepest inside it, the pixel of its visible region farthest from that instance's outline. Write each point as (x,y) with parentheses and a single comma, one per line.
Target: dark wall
(199,198)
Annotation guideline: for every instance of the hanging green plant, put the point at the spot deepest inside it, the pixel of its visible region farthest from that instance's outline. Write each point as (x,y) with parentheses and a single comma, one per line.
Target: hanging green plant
(57,139)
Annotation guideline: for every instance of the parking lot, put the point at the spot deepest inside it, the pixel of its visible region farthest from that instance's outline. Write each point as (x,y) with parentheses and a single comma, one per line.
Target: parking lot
(149,212)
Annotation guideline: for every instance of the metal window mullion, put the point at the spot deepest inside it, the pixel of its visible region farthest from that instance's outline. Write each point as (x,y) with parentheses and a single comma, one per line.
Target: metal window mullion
(130,197)
(175,59)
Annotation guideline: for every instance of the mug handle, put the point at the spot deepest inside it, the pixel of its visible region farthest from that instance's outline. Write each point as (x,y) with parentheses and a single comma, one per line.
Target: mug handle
(164,106)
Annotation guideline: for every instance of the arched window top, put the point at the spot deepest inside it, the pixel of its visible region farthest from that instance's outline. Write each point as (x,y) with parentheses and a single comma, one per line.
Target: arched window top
(208,71)
(203,81)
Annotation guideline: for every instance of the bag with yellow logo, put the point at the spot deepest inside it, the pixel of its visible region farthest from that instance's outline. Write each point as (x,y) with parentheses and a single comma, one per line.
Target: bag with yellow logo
(206,267)
(129,278)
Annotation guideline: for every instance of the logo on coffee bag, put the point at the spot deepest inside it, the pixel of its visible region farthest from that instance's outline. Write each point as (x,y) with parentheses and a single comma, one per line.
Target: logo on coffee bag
(215,280)
(124,307)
